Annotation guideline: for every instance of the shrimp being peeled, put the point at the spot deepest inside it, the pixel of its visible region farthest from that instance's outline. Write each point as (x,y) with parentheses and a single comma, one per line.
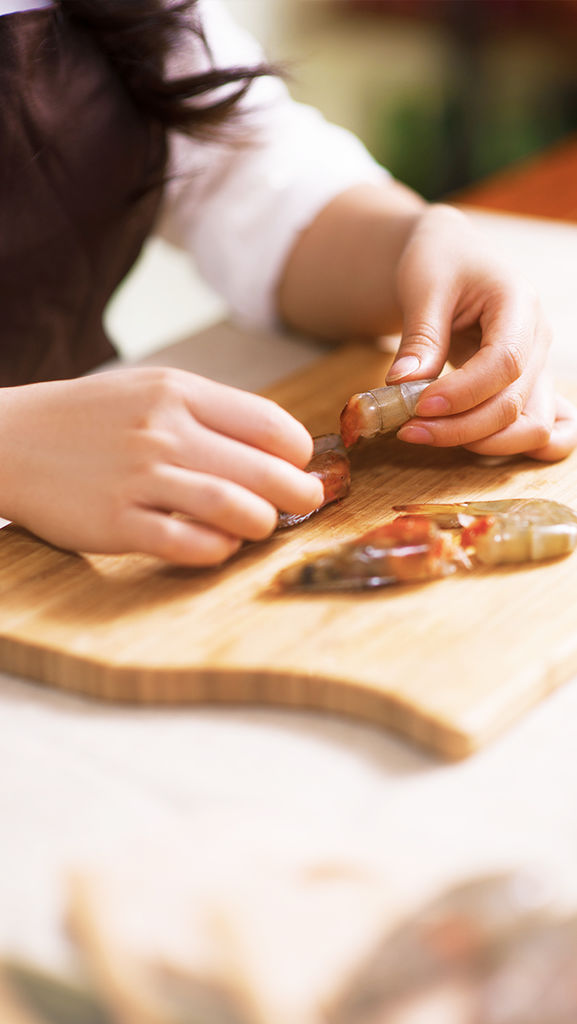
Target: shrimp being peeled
(411,549)
(380,411)
(330,463)
(501,532)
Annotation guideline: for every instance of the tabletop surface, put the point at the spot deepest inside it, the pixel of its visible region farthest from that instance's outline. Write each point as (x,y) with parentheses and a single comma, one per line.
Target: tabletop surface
(283,806)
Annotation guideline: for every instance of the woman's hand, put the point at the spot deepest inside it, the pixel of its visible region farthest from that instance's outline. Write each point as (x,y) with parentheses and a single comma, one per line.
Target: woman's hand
(462,305)
(99,463)
(378,259)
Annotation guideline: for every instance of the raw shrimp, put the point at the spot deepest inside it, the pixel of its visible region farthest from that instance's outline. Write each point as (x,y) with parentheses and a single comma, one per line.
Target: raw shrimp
(411,549)
(504,935)
(380,411)
(330,463)
(513,530)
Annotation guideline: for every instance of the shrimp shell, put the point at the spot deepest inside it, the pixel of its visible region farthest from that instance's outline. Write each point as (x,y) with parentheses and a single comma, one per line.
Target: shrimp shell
(507,531)
(411,549)
(330,463)
(380,411)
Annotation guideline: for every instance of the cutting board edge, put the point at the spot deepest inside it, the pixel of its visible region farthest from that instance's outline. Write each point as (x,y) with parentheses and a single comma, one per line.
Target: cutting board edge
(201,685)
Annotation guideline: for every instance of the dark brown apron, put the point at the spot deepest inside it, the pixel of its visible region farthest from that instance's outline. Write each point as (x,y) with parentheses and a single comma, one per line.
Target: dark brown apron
(80,169)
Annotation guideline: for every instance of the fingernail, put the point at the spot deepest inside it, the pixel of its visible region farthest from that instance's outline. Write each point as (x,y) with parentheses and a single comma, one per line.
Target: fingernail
(415,435)
(402,367)
(436,405)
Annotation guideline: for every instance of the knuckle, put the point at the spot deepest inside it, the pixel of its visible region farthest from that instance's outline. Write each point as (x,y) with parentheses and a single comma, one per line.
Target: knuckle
(145,463)
(154,376)
(541,432)
(160,389)
(420,337)
(169,543)
(270,425)
(154,445)
(511,407)
(249,515)
(460,435)
(517,289)
(458,431)
(269,481)
(264,523)
(218,497)
(164,385)
(514,359)
(542,435)
(468,390)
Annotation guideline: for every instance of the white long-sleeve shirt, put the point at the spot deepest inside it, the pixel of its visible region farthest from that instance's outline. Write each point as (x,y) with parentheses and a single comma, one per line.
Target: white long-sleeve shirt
(238,205)
(239,209)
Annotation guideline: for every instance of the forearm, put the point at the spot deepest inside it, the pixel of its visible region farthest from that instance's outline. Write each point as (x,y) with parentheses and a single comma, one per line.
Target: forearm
(339,279)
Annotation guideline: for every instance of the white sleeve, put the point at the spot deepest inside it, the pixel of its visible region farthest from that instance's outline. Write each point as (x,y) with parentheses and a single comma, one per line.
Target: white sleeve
(238,206)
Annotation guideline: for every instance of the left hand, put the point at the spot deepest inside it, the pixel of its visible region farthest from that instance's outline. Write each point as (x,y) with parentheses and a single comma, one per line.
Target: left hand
(461,304)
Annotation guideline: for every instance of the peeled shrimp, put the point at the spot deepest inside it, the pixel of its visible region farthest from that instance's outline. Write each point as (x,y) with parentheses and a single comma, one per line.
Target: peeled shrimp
(380,411)
(330,463)
(411,549)
(513,530)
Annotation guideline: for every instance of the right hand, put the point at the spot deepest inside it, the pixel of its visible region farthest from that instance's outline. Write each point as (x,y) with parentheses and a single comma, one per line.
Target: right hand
(462,304)
(99,463)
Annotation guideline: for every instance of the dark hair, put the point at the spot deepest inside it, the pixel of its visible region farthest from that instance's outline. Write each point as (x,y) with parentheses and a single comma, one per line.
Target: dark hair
(138,36)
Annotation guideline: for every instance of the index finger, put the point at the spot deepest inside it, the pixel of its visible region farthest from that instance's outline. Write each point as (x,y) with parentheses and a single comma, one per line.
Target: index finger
(510,334)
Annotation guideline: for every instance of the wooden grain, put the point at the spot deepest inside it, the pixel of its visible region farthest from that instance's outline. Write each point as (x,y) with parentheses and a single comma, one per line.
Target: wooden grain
(448,664)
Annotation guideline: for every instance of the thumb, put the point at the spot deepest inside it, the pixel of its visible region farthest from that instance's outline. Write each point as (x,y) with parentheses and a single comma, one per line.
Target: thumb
(425,342)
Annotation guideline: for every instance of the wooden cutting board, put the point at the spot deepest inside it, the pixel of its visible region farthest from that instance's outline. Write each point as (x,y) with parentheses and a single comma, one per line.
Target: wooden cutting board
(448,664)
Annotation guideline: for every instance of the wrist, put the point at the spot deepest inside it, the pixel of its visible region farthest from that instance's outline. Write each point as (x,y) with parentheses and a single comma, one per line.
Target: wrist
(339,279)
(17,442)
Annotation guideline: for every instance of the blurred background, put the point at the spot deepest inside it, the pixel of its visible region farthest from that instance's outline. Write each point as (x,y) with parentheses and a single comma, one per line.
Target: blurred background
(443,92)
